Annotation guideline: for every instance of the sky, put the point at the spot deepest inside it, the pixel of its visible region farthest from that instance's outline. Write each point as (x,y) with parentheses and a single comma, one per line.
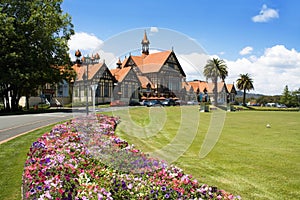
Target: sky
(258,37)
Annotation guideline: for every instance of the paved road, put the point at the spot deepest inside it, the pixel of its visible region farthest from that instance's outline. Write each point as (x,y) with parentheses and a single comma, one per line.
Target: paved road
(13,125)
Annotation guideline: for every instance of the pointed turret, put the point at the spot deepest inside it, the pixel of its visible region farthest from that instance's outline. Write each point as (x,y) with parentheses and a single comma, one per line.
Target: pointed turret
(145,45)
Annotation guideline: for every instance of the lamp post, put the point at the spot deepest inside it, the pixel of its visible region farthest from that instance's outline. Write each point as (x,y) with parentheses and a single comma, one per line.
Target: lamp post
(86,60)
(94,87)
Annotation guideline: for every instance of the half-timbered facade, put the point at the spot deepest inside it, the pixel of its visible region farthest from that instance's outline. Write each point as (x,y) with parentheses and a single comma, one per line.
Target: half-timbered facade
(127,86)
(99,77)
(231,92)
(159,74)
(204,91)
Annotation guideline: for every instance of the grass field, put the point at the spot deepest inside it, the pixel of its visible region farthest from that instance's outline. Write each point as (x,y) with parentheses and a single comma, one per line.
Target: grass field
(13,155)
(248,159)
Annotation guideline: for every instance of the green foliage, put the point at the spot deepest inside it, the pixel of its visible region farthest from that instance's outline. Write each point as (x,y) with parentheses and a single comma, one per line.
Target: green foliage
(245,83)
(289,98)
(34,37)
(263,100)
(214,69)
(13,155)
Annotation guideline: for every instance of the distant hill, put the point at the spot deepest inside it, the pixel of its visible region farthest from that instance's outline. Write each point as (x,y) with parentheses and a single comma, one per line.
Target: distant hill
(249,95)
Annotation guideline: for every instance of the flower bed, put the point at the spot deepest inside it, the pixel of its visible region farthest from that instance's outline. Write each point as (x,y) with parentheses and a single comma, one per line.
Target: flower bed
(84,159)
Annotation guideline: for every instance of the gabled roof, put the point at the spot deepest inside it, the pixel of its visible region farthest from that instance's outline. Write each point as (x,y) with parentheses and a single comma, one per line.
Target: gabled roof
(150,63)
(220,86)
(231,88)
(187,86)
(145,81)
(138,60)
(201,85)
(120,74)
(154,62)
(81,70)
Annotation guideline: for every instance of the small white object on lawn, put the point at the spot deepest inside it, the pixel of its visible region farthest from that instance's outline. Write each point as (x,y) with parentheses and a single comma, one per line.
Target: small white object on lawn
(268,126)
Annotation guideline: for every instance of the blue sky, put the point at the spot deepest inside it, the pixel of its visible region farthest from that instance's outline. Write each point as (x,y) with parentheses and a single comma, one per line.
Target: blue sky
(259,37)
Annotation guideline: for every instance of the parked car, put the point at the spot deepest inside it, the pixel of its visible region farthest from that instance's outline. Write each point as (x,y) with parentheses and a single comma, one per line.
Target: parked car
(134,103)
(118,103)
(144,102)
(192,102)
(180,102)
(154,103)
(168,102)
(281,106)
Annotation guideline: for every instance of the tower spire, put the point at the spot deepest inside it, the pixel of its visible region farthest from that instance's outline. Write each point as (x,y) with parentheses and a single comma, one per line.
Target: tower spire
(145,44)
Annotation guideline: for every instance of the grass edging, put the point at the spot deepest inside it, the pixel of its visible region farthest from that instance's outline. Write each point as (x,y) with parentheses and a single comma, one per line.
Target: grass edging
(11,169)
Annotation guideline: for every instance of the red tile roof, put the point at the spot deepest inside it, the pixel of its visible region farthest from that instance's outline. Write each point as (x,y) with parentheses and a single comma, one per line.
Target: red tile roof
(150,63)
(120,74)
(154,62)
(220,86)
(81,70)
(202,85)
(144,82)
(231,88)
(187,86)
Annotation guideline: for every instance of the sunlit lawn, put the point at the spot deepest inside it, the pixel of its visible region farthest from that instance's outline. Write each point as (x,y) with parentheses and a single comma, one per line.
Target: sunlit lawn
(12,159)
(248,160)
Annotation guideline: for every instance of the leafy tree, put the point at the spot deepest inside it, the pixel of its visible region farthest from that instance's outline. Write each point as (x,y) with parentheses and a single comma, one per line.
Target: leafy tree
(286,97)
(290,98)
(35,43)
(244,83)
(268,99)
(215,69)
(296,97)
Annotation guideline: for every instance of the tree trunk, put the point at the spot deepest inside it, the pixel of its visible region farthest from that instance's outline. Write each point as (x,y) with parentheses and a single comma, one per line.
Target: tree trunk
(215,91)
(15,97)
(27,102)
(244,98)
(6,103)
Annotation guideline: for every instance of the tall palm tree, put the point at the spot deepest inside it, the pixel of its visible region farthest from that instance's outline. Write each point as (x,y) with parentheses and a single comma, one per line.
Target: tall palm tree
(244,83)
(215,69)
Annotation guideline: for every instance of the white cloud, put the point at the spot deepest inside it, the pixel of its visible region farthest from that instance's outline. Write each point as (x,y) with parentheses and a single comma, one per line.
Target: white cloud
(85,42)
(271,71)
(266,14)
(280,57)
(277,67)
(154,29)
(193,64)
(246,50)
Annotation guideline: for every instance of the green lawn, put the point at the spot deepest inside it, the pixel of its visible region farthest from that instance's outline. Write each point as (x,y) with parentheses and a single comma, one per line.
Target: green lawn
(13,155)
(248,159)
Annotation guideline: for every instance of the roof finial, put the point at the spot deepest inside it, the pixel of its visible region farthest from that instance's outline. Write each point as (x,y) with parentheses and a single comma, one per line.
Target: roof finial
(119,63)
